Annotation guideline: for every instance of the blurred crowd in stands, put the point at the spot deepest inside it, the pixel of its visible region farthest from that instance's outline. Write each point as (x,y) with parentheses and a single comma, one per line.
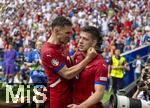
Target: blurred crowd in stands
(123,24)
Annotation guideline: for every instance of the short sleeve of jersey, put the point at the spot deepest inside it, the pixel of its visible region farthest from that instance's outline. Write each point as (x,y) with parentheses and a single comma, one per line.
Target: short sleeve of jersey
(101,74)
(54,61)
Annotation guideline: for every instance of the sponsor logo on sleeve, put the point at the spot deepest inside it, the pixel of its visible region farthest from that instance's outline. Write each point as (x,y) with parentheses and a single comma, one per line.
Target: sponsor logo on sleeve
(103,78)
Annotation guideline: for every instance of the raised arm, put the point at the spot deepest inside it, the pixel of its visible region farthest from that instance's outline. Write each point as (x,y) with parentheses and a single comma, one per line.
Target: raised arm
(71,72)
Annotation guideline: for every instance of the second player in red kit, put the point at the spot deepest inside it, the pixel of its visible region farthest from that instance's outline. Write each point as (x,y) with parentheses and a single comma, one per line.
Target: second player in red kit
(89,85)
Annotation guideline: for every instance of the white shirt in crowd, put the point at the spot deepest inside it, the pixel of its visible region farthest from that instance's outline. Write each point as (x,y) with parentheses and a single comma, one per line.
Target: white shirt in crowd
(42,38)
(1,43)
(141,96)
(138,66)
(105,28)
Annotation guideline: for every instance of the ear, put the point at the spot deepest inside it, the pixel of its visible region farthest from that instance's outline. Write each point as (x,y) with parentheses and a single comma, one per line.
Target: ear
(56,30)
(94,43)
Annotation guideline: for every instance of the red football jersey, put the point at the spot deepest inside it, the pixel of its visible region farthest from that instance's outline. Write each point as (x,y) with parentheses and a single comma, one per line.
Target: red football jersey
(95,73)
(53,61)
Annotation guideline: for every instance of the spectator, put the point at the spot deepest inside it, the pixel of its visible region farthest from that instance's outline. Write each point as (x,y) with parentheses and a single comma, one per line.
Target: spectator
(105,28)
(35,54)
(146,38)
(9,61)
(142,92)
(1,43)
(28,53)
(117,67)
(143,86)
(20,61)
(139,63)
(120,45)
(1,46)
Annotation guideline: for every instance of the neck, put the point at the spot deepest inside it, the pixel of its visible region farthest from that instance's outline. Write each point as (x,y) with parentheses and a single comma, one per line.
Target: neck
(117,56)
(84,52)
(53,39)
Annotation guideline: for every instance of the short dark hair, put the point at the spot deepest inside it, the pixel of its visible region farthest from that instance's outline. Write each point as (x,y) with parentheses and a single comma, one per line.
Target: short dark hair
(95,33)
(61,21)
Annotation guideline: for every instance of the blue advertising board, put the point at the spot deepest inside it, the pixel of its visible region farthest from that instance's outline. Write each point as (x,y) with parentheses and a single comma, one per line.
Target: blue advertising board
(130,56)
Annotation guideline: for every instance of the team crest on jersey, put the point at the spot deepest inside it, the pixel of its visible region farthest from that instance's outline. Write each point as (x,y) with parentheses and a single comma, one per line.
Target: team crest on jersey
(55,62)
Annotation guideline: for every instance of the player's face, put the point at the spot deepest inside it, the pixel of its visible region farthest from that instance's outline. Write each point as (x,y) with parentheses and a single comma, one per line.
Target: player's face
(39,46)
(21,49)
(85,41)
(10,47)
(117,52)
(64,34)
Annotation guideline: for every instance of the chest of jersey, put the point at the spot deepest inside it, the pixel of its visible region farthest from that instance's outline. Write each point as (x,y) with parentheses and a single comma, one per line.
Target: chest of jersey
(88,74)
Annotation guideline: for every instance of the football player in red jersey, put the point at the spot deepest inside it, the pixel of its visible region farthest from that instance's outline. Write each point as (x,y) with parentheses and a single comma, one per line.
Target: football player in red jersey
(55,63)
(89,85)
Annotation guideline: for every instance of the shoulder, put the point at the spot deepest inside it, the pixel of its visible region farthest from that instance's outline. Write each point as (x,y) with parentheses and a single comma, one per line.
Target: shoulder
(123,58)
(100,62)
(100,58)
(46,49)
(47,53)
(45,46)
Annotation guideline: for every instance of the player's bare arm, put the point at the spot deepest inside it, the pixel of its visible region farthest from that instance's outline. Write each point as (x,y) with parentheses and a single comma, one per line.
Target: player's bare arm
(71,72)
(93,99)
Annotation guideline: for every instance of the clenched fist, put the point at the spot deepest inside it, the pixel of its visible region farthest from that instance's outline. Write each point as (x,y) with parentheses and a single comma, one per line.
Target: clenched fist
(91,53)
